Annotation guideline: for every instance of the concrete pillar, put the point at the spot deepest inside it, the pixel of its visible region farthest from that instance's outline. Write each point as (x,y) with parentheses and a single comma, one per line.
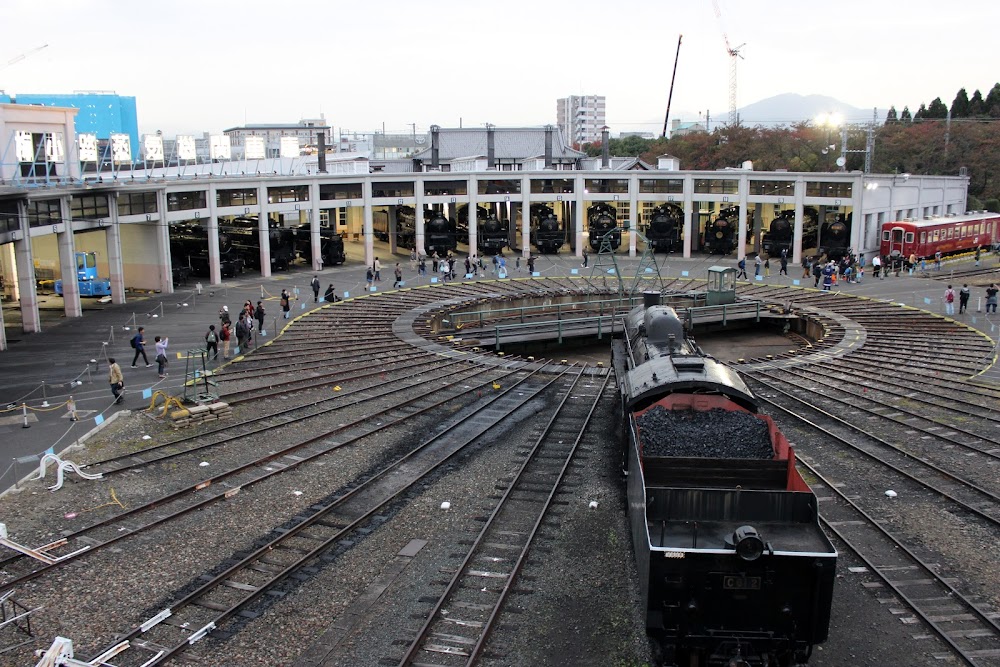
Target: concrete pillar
(578,184)
(25,262)
(689,231)
(473,216)
(368,224)
(858,215)
(418,221)
(3,332)
(800,197)
(263,226)
(525,216)
(164,264)
(113,239)
(212,229)
(636,214)
(744,186)
(315,242)
(67,261)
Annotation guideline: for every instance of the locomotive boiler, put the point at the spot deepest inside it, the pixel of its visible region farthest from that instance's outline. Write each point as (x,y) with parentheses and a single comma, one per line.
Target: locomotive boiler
(722,233)
(439,235)
(331,245)
(733,566)
(666,222)
(491,232)
(601,219)
(547,234)
(778,236)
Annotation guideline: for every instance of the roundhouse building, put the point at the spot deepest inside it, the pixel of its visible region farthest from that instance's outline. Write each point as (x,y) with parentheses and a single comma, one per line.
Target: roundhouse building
(128,218)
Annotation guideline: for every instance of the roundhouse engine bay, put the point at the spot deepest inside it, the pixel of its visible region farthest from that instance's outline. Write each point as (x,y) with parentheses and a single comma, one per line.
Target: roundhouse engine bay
(731,559)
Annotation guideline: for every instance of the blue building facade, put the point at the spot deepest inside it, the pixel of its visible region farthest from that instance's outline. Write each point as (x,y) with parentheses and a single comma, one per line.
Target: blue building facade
(102,114)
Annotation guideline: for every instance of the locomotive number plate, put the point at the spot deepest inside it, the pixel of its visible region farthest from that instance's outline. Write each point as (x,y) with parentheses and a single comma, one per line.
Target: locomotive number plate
(735,583)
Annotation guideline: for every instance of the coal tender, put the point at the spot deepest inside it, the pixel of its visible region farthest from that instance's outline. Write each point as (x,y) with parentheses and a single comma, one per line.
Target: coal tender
(733,566)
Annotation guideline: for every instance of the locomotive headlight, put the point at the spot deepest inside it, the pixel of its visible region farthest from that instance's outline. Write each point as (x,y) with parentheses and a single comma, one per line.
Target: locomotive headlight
(747,542)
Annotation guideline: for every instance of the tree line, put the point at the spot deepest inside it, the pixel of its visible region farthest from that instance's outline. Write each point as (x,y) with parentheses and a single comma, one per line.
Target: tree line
(923,144)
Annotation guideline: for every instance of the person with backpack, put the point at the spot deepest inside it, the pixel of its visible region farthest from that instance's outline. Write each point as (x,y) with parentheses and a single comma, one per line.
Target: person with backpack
(742,266)
(963,297)
(225,334)
(949,301)
(286,304)
(161,356)
(116,379)
(212,342)
(138,343)
(224,316)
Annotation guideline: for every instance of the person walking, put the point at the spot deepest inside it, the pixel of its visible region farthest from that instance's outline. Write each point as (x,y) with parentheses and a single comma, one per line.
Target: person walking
(398,275)
(225,334)
(468,266)
(991,297)
(756,265)
(161,355)
(517,263)
(413,260)
(139,343)
(784,264)
(259,315)
(586,258)
(248,321)
(286,304)
(377,268)
(315,287)
(742,266)
(937,260)
(531,264)
(443,270)
(949,301)
(817,272)
(876,265)
(806,265)
(369,277)
(977,255)
(422,266)
(434,263)
(767,266)
(212,342)
(829,271)
(963,298)
(116,379)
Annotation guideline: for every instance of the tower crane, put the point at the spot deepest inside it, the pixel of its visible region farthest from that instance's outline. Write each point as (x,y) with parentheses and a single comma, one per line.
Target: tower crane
(17,59)
(734,53)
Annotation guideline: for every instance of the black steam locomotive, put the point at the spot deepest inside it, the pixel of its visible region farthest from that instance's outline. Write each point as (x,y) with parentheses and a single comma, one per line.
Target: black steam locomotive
(244,236)
(601,219)
(666,222)
(835,237)
(491,232)
(406,227)
(547,234)
(779,234)
(439,234)
(722,233)
(331,245)
(189,250)
(734,568)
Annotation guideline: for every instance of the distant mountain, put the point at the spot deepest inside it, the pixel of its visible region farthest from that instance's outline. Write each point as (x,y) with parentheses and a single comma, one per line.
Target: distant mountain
(791,108)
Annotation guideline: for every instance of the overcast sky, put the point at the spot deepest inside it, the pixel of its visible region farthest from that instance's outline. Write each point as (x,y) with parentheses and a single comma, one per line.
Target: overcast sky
(214,64)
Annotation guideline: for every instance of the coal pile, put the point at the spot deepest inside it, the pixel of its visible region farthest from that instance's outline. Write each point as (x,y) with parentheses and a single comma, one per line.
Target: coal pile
(713,433)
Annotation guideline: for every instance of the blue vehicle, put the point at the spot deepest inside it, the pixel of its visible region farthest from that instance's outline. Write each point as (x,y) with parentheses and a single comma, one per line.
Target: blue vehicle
(86,276)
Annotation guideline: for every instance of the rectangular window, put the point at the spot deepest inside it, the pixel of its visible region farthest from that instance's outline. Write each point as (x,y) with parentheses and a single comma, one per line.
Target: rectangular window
(241,197)
(340,191)
(88,207)
(923,238)
(136,203)
(936,236)
(8,216)
(772,188)
(43,212)
(951,233)
(186,201)
(665,186)
(716,186)
(287,193)
(831,189)
(885,234)
(445,188)
(500,187)
(546,186)
(392,189)
(909,237)
(606,186)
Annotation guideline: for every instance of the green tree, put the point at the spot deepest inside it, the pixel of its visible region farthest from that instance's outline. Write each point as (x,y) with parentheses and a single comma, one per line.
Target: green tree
(992,204)
(976,105)
(960,106)
(992,102)
(905,116)
(936,110)
(921,112)
(890,116)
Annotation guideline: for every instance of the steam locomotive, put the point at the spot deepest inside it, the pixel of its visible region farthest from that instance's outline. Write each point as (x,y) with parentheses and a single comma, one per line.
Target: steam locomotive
(244,236)
(331,245)
(601,219)
(835,237)
(189,249)
(779,235)
(665,225)
(734,568)
(547,234)
(406,228)
(439,234)
(721,233)
(491,232)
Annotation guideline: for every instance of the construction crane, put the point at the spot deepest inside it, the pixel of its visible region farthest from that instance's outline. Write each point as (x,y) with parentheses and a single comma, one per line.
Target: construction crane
(672,79)
(17,59)
(734,53)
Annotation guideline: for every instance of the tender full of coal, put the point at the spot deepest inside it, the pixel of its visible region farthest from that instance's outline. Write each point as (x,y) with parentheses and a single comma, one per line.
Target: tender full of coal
(714,433)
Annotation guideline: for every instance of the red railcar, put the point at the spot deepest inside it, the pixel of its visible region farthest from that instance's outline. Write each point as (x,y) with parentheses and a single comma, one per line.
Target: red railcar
(948,235)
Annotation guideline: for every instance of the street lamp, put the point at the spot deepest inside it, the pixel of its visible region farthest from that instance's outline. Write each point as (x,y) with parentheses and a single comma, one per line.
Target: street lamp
(830,121)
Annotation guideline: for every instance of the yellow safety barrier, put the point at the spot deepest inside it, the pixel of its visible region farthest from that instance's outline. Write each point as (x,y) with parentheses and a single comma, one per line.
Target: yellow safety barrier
(167,400)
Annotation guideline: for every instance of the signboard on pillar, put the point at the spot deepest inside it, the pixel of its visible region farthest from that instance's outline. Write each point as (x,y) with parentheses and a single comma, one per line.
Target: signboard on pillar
(88,147)
(219,148)
(186,148)
(152,148)
(121,148)
(23,146)
(289,147)
(254,148)
(54,150)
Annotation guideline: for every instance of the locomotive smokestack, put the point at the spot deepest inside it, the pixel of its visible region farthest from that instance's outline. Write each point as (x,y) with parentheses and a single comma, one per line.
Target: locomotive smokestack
(605,149)
(650,299)
(490,146)
(548,146)
(435,152)
(321,148)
